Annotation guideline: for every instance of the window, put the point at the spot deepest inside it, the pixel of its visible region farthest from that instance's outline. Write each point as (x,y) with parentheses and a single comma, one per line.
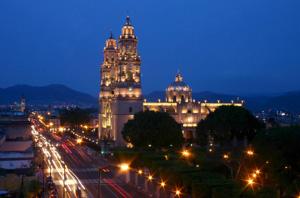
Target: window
(182,98)
(130,109)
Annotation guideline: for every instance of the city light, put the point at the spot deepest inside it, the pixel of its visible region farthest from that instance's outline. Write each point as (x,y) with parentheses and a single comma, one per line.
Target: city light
(250,152)
(250,182)
(185,153)
(257,171)
(162,184)
(150,177)
(177,192)
(78,140)
(140,172)
(225,156)
(124,167)
(61,129)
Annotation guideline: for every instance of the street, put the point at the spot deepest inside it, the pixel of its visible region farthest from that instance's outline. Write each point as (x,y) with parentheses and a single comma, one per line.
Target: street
(67,161)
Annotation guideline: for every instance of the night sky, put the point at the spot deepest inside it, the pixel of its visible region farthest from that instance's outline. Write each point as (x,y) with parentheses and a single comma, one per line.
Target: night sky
(234,46)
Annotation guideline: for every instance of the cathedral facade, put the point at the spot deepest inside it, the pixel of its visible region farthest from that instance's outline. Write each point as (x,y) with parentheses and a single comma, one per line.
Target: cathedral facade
(120,87)
(121,93)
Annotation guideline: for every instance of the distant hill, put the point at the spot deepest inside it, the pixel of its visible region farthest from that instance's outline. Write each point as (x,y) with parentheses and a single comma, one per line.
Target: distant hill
(289,101)
(61,94)
(286,101)
(50,94)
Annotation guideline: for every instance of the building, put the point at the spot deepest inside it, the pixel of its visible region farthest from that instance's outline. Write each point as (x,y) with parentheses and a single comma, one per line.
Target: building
(121,94)
(16,155)
(120,89)
(180,104)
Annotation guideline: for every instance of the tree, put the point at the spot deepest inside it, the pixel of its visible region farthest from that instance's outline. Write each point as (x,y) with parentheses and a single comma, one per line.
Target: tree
(280,147)
(157,129)
(75,116)
(227,123)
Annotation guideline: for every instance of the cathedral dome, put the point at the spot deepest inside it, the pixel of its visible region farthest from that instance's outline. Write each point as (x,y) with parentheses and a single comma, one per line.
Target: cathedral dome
(178,91)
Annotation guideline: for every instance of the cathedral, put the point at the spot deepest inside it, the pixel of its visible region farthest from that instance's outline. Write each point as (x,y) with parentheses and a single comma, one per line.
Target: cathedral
(121,93)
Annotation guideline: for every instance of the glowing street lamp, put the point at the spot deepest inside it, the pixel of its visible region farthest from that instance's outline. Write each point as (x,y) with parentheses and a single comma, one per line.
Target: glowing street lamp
(140,172)
(250,181)
(257,171)
(162,184)
(185,153)
(78,140)
(150,177)
(61,129)
(225,156)
(250,152)
(124,167)
(177,192)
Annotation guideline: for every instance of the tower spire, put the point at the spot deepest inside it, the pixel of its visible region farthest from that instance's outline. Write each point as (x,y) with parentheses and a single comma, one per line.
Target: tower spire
(111,35)
(127,20)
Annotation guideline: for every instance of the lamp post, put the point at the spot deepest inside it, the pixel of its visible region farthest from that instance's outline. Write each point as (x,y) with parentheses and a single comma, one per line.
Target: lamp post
(99,183)
(50,166)
(43,168)
(64,180)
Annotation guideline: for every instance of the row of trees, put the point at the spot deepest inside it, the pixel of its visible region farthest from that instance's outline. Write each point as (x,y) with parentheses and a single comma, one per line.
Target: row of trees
(159,129)
(74,117)
(275,151)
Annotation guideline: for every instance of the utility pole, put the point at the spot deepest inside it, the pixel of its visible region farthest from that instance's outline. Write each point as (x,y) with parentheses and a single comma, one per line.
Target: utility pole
(43,168)
(50,166)
(64,180)
(99,184)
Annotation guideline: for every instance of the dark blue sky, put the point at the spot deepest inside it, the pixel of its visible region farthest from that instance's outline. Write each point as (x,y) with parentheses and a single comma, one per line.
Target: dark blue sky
(235,46)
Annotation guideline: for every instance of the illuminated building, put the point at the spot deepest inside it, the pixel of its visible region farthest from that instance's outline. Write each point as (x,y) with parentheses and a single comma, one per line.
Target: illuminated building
(120,92)
(183,108)
(121,95)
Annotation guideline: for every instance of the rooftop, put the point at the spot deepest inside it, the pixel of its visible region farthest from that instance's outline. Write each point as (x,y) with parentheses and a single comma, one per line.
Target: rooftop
(15,146)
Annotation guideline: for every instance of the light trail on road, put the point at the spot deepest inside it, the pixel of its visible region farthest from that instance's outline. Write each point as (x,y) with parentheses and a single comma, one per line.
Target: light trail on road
(55,163)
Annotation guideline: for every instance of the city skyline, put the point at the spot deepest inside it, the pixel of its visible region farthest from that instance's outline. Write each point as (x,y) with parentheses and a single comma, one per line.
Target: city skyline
(222,48)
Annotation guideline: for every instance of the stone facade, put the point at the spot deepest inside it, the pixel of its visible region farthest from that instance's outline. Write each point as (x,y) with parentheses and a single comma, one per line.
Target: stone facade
(121,94)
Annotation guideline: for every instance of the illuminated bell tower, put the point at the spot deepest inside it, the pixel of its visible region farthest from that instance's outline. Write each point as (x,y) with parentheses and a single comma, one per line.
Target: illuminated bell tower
(120,92)
(127,93)
(109,77)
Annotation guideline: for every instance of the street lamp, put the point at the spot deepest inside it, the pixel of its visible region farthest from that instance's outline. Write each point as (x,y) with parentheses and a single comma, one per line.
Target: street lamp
(124,167)
(225,156)
(250,182)
(177,192)
(140,171)
(50,165)
(150,177)
(78,140)
(64,180)
(250,152)
(162,184)
(185,153)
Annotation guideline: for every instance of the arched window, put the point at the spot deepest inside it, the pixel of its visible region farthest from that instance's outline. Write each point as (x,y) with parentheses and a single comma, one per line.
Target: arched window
(174,98)
(182,98)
